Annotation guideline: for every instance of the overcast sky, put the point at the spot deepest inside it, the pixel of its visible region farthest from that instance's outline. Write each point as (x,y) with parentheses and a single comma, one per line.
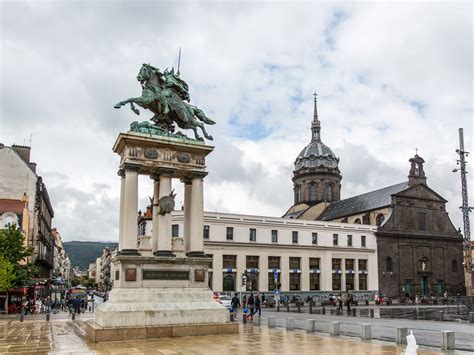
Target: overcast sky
(390,77)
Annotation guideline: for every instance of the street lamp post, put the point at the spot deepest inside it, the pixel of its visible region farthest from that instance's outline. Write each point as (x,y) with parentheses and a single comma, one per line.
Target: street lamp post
(465,213)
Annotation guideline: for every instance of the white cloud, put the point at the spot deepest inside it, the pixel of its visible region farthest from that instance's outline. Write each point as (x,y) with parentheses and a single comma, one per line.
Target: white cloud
(391,77)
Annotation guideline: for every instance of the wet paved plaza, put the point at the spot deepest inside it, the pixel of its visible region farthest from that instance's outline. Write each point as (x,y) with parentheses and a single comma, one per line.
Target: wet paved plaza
(67,337)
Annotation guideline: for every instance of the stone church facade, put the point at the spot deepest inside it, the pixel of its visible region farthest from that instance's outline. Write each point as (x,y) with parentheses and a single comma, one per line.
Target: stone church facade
(419,251)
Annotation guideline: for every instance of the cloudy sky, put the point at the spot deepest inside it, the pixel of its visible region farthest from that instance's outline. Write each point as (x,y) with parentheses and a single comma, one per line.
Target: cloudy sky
(390,77)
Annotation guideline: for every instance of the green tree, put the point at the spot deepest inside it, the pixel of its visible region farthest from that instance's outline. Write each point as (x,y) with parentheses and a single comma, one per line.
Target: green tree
(7,274)
(13,250)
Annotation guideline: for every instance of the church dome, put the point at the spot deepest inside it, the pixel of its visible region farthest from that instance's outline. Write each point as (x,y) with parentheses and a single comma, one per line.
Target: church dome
(316,177)
(316,154)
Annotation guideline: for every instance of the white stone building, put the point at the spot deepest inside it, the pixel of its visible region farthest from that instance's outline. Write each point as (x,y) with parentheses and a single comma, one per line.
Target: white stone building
(308,256)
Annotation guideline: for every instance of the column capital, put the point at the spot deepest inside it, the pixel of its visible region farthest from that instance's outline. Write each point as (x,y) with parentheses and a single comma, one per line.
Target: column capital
(121,173)
(131,167)
(196,175)
(162,172)
(186,180)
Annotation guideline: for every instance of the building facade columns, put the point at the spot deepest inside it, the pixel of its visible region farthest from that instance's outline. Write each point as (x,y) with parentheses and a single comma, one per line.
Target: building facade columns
(155,211)
(196,218)
(130,208)
(121,173)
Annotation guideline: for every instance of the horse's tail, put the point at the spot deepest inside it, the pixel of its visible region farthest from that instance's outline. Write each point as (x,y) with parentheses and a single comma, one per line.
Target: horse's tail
(201,116)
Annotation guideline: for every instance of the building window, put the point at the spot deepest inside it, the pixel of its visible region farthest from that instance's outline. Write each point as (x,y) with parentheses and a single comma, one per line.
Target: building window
(209,279)
(253,235)
(175,230)
(228,282)
(362,282)
(210,262)
(295,263)
(335,239)
(295,282)
(294,237)
(314,284)
(363,241)
(313,196)
(454,266)
(274,236)
(357,221)
(422,221)
(229,261)
(329,192)
(314,238)
(336,281)
(362,274)
(349,281)
(273,262)
(349,240)
(314,263)
(206,232)
(379,219)
(272,283)
(251,261)
(297,194)
(389,264)
(230,233)
(336,264)
(349,264)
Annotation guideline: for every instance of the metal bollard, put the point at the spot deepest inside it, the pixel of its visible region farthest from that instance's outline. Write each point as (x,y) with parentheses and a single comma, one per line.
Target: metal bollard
(74,316)
(271,322)
(471,317)
(47,317)
(290,323)
(278,307)
(338,312)
(415,314)
(244,319)
(449,341)
(323,310)
(288,307)
(392,313)
(310,325)
(310,309)
(354,312)
(299,307)
(334,329)
(372,313)
(366,331)
(441,313)
(401,336)
(22,317)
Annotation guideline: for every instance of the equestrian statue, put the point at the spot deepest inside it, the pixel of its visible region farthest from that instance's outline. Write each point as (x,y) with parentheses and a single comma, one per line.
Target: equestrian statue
(167,96)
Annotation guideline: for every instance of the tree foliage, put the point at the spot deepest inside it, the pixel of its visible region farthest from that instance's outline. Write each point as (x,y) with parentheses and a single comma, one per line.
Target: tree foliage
(82,281)
(13,250)
(7,274)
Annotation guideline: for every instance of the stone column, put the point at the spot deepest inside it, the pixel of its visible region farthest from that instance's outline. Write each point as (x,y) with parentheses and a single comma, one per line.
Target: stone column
(263,277)
(187,215)
(304,273)
(155,212)
(121,173)
(130,209)
(196,242)
(164,220)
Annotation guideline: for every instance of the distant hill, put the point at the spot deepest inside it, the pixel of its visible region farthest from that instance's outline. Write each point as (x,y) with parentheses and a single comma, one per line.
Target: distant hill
(82,254)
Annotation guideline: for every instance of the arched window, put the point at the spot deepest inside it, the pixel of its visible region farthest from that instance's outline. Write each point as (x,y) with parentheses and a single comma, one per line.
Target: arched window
(379,219)
(389,264)
(454,266)
(313,192)
(357,221)
(297,194)
(329,192)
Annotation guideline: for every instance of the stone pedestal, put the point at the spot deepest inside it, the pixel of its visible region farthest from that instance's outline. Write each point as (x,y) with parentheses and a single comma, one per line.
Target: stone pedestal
(160,285)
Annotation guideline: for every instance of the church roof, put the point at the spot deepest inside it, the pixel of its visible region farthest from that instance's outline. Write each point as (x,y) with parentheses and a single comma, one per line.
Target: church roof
(361,203)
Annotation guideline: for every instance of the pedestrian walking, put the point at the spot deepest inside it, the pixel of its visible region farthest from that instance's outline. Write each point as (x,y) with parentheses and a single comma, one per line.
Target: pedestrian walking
(257,307)
(349,301)
(251,305)
(235,302)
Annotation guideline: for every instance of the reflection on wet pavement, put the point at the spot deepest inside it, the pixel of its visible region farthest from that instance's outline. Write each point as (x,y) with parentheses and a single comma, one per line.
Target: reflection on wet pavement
(67,337)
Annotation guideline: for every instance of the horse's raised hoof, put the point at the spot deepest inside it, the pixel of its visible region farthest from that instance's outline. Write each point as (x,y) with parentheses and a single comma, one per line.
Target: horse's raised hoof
(118,105)
(210,138)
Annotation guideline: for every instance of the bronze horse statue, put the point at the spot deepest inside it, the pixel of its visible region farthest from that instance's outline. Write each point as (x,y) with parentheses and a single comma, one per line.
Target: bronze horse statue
(165,94)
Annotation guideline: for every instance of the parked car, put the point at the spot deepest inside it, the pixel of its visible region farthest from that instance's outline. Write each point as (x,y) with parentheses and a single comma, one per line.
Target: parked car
(225,300)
